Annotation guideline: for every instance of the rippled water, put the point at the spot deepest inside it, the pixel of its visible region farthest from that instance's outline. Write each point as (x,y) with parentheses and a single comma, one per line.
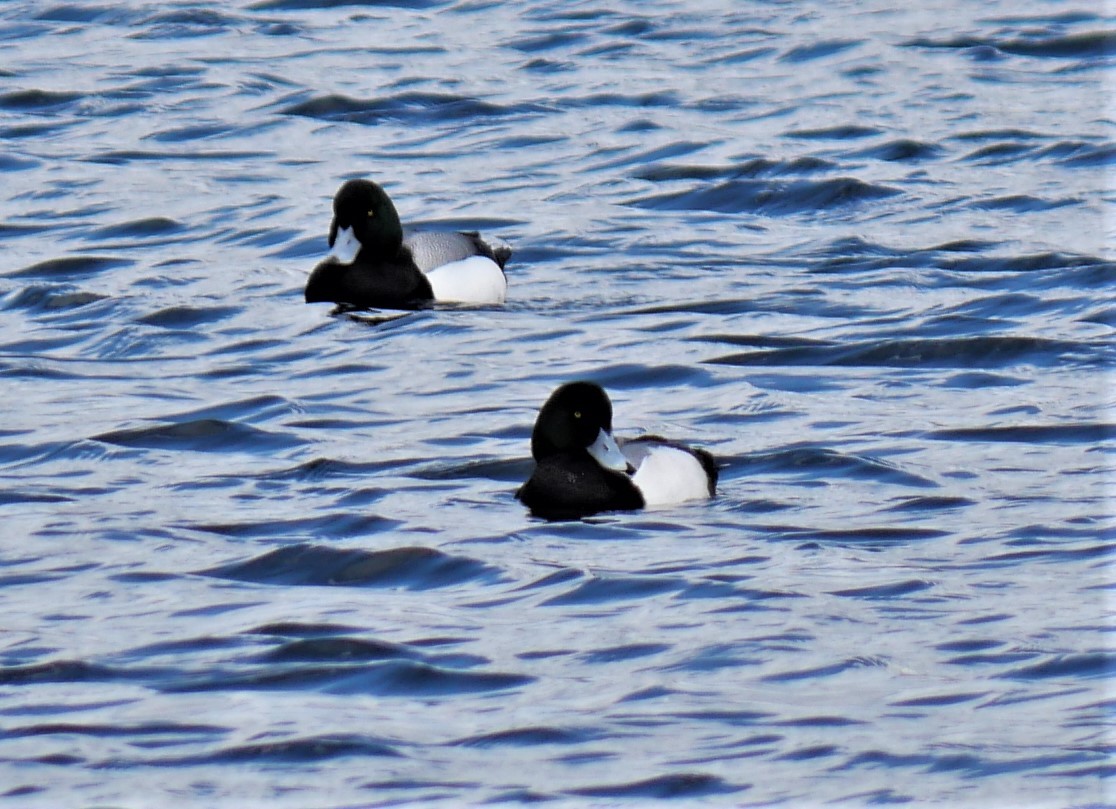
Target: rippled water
(255,553)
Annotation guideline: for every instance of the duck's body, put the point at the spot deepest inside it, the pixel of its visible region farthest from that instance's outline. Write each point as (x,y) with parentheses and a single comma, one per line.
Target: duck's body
(581,470)
(374,263)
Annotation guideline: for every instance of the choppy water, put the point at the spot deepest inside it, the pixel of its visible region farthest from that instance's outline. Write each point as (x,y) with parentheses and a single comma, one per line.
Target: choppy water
(255,554)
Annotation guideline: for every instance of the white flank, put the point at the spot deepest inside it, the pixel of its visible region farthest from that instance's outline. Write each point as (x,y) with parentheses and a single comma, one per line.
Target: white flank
(476,279)
(605,452)
(665,475)
(345,246)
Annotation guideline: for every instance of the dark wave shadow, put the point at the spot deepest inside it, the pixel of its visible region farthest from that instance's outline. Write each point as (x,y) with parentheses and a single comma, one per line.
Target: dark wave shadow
(411,568)
(820,672)
(504,471)
(532,736)
(770,197)
(201,435)
(70,267)
(309,5)
(961,352)
(1085,45)
(902,150)
(665,787)
(185,23)
(413,107)
(38,100)
(1022,203)
(606,589)
(967,256)
(1084,665)
(844,132)
(333,526)
(142,228)
(749,169)
(815,463)
(45,298)
(144,735)
(303,750)
(185,317)
(888,591)
(382,678)
(1031,434)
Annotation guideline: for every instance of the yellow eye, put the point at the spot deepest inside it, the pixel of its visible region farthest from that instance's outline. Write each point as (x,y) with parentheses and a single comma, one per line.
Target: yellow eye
(577,414)
(371,213)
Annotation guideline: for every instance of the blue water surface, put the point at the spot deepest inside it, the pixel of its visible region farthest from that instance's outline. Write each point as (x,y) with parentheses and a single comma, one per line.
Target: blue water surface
(256,553)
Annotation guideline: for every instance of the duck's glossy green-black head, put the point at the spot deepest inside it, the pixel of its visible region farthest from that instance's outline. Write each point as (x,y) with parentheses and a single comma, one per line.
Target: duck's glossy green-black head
(363,216)
(577,416)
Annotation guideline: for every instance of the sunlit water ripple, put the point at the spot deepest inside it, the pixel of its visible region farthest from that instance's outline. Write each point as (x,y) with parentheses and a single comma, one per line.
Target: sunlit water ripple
(255,553)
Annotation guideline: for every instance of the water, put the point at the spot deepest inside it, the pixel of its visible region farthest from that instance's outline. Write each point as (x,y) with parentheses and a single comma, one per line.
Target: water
(255,554)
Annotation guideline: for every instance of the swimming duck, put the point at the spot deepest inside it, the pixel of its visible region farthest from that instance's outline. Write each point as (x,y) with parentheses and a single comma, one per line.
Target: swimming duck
(580,468)
(375,263)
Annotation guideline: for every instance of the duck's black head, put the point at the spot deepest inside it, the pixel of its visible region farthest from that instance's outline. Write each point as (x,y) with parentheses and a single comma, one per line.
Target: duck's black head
(575,417)
(364,217)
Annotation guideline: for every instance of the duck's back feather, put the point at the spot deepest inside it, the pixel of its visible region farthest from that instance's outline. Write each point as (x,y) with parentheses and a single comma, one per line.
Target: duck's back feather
(431,249)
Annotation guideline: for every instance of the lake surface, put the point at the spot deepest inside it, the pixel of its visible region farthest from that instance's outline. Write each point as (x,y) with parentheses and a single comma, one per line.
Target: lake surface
(257,553)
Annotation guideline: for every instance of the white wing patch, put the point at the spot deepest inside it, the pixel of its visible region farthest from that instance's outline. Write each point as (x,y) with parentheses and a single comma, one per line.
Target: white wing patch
(666,475)
(477,279)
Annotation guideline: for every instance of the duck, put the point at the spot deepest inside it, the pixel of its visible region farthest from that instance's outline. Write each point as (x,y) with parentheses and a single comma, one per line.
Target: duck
(581,469)
(375,263)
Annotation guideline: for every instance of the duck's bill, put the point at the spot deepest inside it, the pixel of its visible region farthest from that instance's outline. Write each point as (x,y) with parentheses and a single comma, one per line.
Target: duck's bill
(345,246)
(607,453)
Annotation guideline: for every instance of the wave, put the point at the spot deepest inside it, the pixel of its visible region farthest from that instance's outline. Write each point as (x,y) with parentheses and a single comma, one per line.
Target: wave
(949,352)
(200,435)
(412,568)
(411,107)
(1084,45)
(769,197)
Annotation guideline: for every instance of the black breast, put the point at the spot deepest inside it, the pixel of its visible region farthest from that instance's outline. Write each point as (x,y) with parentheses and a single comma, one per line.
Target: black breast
(572,485)
(395,284)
